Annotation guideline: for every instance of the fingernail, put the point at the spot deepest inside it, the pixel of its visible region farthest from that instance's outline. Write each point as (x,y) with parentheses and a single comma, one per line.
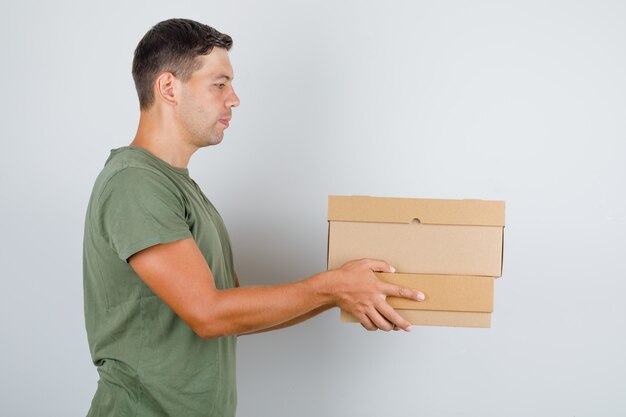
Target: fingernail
(392,269)
(420,296)
(408,328)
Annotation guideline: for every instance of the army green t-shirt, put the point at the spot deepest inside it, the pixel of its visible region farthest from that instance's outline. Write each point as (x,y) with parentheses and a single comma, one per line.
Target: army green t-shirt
(149,360)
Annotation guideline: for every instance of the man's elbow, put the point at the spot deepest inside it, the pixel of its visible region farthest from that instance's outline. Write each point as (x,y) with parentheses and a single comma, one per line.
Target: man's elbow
(211,325)
(210,331)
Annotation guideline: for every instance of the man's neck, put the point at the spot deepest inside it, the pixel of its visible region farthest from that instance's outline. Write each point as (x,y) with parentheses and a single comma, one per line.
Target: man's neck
(163,140)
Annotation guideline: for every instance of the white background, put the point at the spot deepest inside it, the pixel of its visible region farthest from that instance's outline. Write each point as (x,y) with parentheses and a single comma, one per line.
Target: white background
(519,101)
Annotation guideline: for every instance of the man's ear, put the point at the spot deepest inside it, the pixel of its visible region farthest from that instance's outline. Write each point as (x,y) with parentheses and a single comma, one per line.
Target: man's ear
(165,88)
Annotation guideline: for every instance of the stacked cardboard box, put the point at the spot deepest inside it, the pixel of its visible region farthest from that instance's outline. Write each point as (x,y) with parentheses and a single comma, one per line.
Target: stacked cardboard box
(451,250)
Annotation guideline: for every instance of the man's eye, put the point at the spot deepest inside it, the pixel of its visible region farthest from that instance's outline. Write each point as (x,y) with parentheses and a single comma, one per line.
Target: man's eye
(220,86)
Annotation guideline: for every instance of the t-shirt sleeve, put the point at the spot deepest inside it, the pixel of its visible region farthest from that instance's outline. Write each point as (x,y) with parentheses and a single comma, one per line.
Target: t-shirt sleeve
(140,208)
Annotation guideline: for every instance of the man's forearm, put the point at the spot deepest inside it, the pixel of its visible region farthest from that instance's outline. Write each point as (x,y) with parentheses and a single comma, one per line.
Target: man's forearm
(294,321)
(250,309)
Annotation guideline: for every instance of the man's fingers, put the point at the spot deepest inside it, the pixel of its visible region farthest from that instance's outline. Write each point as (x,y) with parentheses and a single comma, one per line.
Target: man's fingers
(377,314)
(367,323)
(403,292)
(378,265)
(379,321)
(393,317)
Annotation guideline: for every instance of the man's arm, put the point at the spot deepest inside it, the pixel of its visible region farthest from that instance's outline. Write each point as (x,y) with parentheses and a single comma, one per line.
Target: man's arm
(292,322)
(296,320)
(178,273)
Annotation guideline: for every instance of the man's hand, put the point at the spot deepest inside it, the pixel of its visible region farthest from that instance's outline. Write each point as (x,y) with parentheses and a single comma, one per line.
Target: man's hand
(358,291)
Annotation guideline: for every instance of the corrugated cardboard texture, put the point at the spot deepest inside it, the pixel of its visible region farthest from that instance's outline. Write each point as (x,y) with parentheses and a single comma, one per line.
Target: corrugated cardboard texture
(437,318)
(419,248)
(427,211)
(443,292)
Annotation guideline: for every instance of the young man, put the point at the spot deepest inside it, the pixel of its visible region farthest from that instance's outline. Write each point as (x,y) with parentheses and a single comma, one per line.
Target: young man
(163,304)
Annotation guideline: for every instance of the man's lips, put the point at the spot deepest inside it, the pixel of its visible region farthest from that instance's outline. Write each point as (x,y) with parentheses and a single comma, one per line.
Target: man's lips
(225,122)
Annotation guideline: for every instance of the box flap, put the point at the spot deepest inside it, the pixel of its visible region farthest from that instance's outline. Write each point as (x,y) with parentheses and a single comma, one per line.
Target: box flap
(407,210)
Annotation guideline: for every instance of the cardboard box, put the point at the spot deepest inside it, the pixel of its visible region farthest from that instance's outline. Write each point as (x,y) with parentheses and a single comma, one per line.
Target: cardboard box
(449,249)
(457,237)
(437,318)
(445,292)
(451,300)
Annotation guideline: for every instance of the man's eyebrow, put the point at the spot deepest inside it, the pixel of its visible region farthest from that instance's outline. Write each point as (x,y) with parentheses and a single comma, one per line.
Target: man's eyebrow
(222,77)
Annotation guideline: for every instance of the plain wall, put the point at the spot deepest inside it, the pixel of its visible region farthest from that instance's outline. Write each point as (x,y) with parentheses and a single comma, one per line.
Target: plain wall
(519,101)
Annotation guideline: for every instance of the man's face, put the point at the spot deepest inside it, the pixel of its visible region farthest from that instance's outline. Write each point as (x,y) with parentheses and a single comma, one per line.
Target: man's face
(206,100)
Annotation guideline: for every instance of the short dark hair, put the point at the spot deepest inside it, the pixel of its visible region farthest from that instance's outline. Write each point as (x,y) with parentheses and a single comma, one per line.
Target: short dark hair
(172,45)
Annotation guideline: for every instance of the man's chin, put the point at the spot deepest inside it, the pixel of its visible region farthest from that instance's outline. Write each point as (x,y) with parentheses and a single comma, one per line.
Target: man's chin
(216,140)
(213,140)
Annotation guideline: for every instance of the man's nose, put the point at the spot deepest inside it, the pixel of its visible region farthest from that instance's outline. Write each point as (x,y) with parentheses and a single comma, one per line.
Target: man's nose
(233,100)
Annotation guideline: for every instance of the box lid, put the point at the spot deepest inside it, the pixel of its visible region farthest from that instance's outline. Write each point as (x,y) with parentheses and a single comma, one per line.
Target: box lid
(407,210)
